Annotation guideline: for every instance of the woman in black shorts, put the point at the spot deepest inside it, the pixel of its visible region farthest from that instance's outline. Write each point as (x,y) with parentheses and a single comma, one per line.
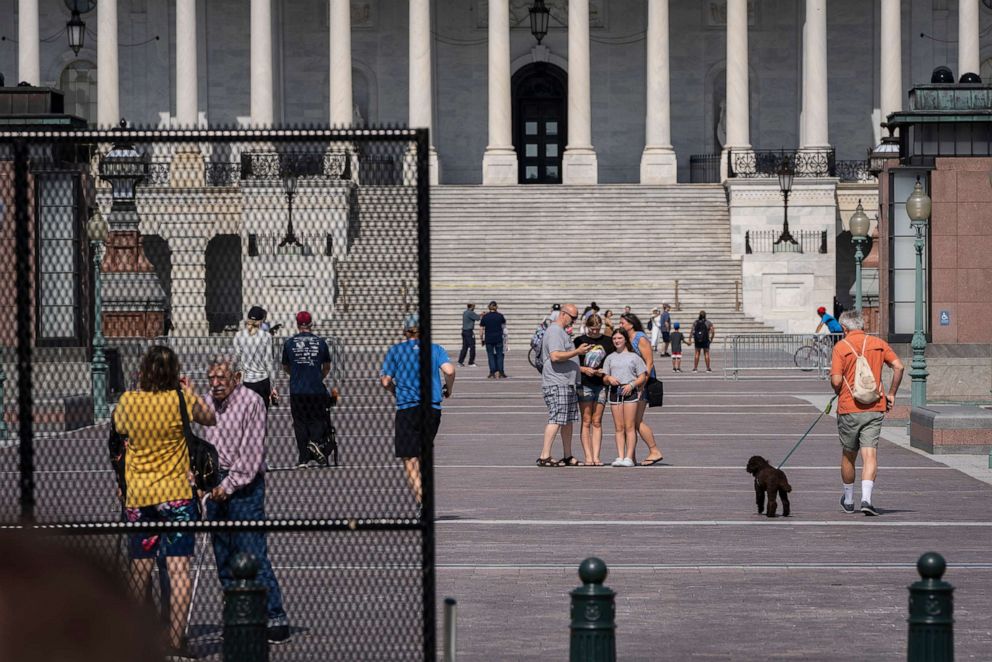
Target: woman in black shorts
(624,373)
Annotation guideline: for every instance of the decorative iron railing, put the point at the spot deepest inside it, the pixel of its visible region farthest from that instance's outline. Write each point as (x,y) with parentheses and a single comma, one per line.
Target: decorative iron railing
(704,169)
(764,241)
(855,171)
(222,174)
(273,165)
(768,163)
(158,175)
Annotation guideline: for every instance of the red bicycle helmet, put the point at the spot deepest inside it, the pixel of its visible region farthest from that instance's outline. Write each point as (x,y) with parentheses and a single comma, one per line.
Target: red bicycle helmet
(821,310)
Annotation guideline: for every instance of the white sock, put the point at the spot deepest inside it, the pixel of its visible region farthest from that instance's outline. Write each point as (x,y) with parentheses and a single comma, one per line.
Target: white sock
(848,492)
(866,487)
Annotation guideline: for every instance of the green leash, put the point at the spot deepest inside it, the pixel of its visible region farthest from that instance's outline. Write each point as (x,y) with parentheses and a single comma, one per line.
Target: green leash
(806,434)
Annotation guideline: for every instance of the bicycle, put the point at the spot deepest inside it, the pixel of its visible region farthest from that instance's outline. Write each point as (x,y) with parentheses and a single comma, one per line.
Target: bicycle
(814,354)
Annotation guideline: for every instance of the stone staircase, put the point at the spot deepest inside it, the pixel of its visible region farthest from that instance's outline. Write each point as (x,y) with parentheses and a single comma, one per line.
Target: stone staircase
(530,246)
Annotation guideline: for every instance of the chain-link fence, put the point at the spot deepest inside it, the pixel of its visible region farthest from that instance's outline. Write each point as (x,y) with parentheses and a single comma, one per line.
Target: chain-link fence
(208,347)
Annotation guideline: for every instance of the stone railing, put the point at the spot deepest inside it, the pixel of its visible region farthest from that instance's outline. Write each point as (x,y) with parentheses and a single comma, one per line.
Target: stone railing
(768,163)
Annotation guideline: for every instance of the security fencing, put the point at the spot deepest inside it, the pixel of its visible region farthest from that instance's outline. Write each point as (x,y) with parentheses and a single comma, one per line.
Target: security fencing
(766,354)
(128,285)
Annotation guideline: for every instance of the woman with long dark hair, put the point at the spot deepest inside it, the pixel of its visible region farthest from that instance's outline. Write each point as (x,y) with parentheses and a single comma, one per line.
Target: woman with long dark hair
(632,326)
(625,374)
(158,479)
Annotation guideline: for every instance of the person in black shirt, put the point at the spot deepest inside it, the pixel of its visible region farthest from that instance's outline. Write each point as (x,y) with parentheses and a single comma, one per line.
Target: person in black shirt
(493,325)
(592,391)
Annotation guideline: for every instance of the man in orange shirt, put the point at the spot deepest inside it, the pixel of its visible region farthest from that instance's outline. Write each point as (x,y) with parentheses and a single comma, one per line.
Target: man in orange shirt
(859,425)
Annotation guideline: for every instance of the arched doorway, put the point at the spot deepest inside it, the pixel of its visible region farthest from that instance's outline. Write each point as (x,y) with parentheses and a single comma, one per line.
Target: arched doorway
(223,282)
(540,121)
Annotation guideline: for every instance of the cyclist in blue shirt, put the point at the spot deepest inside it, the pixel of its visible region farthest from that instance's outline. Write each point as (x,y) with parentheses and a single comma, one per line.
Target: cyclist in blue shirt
(401,377)
(826,319)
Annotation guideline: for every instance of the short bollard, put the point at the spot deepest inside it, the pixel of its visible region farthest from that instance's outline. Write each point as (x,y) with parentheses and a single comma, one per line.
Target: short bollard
(931,613)
(593,616)
(245,615)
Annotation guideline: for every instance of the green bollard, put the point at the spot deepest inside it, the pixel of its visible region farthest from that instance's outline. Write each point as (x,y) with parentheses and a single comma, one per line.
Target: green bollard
(931,613)
(245,616)
(593,616)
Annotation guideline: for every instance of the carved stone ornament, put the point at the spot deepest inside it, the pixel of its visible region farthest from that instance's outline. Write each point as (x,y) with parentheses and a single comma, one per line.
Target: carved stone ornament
(520,13)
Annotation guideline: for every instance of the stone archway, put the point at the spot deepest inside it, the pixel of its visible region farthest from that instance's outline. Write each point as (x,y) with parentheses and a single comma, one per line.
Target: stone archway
(222,290)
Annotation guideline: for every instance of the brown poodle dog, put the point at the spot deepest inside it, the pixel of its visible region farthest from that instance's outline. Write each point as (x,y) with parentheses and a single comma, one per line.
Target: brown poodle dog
(771,480)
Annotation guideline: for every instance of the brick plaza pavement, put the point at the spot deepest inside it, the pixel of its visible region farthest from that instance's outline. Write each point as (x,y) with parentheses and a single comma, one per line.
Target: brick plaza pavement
(699,575)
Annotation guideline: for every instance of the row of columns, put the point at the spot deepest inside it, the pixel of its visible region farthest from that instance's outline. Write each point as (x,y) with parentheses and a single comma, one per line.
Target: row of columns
(499,160)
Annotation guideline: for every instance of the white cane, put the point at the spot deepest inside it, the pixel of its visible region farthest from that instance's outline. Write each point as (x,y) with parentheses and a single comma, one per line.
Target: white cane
(196,575)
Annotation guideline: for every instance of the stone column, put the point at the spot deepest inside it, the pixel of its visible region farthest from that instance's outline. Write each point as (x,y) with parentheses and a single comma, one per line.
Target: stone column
(658,162)
(187,103)
(421,90)
(738,114)
(815,83)
(499,163)
(28,43)
(890,94)
(261,63)
(579,160)
(108,111)
(969,60)
(340,57)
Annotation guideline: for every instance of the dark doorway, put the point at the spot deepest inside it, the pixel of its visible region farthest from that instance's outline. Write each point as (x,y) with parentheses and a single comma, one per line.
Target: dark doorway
(160,255)
(223,290)
(540,102)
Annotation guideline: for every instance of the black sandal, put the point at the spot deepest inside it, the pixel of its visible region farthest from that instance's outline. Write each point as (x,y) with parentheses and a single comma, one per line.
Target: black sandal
(570,461)
(548,462)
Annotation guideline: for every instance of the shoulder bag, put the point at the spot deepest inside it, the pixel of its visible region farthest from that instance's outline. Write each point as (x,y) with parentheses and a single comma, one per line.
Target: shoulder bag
(203,459)
(656,392)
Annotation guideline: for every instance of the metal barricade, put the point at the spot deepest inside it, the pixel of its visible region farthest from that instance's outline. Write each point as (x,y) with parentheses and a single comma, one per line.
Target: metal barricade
(758,353)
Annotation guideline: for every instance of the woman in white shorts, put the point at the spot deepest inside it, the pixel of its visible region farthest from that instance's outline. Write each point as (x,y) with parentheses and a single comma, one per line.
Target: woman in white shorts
(624,373)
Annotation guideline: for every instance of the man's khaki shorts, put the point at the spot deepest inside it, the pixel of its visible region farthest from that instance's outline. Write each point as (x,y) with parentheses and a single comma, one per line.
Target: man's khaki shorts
(859,430)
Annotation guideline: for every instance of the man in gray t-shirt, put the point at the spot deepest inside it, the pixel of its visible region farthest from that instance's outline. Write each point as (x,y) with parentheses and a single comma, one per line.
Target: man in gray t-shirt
(469,318)
(559,376)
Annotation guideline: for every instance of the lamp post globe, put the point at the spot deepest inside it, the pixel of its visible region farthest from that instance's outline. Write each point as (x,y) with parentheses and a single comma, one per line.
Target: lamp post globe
(918,208)
(860,225)
(97,231)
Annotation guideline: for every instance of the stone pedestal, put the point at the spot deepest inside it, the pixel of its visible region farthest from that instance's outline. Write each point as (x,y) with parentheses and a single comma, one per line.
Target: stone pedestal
(187,169)
(133,298)
(944,429)
(659,166)
(579,166)
(499,167)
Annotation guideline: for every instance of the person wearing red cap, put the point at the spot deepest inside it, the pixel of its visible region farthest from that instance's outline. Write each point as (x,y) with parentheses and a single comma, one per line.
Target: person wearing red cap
(827,320)
(307,361)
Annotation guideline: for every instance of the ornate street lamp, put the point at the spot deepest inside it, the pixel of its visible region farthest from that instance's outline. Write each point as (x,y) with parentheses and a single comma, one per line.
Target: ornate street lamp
(883,152)
(76,31)
(860,226)
(539,20)
(96,231)
(289,186)
(786,243)
(124,167)
(918,209)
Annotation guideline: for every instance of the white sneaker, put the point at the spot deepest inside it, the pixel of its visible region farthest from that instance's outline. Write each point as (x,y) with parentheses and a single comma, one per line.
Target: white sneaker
(617,462)
(626,462)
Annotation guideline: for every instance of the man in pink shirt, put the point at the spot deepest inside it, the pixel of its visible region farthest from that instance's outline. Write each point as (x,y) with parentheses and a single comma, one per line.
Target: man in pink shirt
(239,437)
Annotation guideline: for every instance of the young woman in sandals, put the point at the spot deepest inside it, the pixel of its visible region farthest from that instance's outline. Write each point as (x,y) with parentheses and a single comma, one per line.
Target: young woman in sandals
(592,391)
(625,374)
(634,330)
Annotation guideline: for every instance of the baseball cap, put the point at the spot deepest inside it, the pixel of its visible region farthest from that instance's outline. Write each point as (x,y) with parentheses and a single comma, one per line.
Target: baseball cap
(411,322)
(821,310)
(256,313)
(303,318)
(492,303)
(676,325)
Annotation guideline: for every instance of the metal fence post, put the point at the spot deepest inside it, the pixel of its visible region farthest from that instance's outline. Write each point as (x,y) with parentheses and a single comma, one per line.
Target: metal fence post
(450,630)
(245,617)
(593,616)
(931,613)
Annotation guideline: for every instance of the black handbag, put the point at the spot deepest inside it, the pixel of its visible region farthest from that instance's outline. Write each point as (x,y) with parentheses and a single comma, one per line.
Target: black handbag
(656,392)
(203,459)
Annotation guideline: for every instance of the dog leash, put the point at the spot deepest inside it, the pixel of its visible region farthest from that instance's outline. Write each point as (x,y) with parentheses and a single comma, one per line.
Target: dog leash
(806,434)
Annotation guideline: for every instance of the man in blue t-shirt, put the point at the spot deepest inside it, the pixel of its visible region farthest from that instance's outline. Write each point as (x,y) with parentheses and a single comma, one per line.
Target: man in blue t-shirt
(826,319)
(401,376)
(493,328)
(307,361)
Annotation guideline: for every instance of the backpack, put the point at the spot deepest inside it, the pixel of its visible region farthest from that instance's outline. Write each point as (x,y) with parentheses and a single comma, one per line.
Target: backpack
(865,389)
(537,346)
(700,331)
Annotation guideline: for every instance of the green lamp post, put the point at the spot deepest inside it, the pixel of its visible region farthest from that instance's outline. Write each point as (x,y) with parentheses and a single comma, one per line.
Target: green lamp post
(860,225)
(97,230)
(918,209)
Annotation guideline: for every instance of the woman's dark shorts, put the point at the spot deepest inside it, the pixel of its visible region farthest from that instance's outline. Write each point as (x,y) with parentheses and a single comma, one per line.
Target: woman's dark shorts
(409,424)
(174,542)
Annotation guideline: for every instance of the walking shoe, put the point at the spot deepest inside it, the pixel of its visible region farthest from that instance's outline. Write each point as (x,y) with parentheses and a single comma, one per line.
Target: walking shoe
(278,634)
(317,454)
(461,365)
(617,462)
(472,365)
(708,370)
(492,375)
(846,507)
(868,509)
(316,464)
(302,464)
(502,375)
(694,370)
(626,462)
